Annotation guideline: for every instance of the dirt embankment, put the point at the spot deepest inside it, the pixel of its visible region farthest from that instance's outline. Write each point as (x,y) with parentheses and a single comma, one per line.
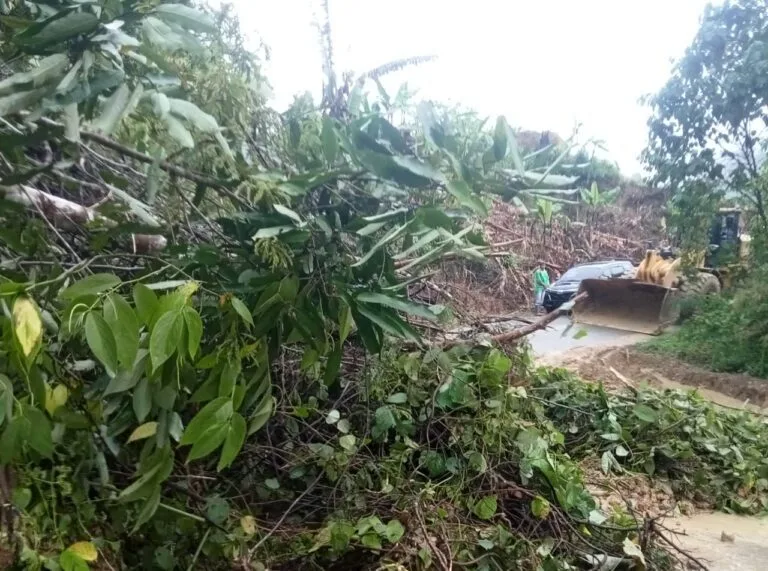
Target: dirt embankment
(618,366)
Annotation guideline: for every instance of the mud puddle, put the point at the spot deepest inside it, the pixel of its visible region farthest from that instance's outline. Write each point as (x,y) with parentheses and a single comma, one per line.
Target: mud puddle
(724,542)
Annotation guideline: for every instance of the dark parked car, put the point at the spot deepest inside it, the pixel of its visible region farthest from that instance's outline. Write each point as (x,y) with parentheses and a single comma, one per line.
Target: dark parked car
(566,287)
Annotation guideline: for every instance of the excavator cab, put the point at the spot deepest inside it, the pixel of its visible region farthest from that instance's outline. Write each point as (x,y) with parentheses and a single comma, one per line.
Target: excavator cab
(726,239)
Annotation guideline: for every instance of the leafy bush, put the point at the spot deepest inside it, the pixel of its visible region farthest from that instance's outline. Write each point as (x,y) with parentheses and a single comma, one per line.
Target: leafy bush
(727,333)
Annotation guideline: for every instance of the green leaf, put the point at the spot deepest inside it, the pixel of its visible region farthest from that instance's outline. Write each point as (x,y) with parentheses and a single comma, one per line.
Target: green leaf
(394,531)
(371,541)
(209,441)
(398,398)
(384,419)
(261,415)
(125,328)
(153,470)
(142,399)
(399,304)
(179,132)
(61,27)
(49,69)
(186,17)
(39,436)
(330,141)
(217,510)
(347,442)
(187,110)
(540,507)
(127,379)
(146,302)
(113,110)
(154,172)
(393,234)
(70,561)
(6,398)
(101,341)
(218,411)
(485,508)
(645,413)
(148,509)
(194,327)
(500,139)
(285,211)
(463,193)
(233,442)
(514,150)
(242,310)
(477,462)
(160,105)
(19,101)
(165,337)
(143,431)
(333,365)
(91,285)
(345,322)
(229,375)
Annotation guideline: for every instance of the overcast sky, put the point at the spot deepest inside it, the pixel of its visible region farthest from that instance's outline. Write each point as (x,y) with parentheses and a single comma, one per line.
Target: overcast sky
(544,64)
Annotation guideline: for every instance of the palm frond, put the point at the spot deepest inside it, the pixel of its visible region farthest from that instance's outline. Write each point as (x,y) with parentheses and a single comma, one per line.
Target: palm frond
(396,65)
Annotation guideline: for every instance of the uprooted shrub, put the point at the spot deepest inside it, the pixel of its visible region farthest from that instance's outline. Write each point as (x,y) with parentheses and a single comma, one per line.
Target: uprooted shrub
(714,456)
(415,460)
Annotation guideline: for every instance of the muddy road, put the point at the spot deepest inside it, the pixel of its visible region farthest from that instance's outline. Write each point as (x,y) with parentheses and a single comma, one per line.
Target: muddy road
(722,542)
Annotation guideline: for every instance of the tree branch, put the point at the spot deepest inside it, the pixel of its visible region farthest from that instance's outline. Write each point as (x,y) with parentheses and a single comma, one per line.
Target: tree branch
(196,177)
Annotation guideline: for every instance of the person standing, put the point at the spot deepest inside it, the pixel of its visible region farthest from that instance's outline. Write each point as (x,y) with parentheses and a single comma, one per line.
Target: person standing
(540,283)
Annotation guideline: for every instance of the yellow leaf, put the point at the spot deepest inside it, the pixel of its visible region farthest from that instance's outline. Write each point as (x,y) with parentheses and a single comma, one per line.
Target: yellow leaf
(144,431)
(56,397)
(27,324)
(248,523)
(188,289)
(85,550)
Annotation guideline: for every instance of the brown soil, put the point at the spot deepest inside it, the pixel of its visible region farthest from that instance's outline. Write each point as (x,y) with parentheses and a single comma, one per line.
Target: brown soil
(618,366)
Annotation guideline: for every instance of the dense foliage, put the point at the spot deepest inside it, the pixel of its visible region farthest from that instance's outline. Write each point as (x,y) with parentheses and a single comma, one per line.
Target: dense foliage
(727,332)
(712,456)
(174,251)
(709,118)
(196,293)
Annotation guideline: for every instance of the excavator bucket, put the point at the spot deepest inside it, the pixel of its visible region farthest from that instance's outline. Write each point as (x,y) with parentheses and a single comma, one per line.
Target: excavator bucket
(625,304)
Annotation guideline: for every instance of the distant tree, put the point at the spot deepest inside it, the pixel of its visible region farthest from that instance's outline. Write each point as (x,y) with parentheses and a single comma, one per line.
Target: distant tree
(709,119)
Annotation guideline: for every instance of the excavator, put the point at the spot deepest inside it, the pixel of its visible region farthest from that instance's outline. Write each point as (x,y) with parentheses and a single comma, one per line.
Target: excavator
(651,300)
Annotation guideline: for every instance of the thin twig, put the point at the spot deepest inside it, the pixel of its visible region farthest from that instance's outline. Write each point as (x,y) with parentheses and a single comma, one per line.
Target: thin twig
(255,548)
(678,549)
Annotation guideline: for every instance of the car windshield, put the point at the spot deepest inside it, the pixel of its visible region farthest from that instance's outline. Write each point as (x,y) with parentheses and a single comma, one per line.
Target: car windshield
(583,273)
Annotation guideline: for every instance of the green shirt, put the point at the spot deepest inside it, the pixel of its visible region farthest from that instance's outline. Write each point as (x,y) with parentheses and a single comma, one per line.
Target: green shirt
(540,280)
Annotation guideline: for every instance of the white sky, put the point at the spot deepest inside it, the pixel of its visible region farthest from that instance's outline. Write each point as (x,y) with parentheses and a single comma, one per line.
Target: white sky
(544,64)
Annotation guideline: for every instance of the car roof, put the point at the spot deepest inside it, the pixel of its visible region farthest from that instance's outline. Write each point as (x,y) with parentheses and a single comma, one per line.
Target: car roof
(601,263)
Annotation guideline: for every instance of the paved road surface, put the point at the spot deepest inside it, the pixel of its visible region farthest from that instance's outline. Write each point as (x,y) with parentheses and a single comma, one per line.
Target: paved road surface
(562,335)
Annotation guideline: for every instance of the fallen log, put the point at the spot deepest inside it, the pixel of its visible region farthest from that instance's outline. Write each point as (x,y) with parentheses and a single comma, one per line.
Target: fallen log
(521,332)
(67,214)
